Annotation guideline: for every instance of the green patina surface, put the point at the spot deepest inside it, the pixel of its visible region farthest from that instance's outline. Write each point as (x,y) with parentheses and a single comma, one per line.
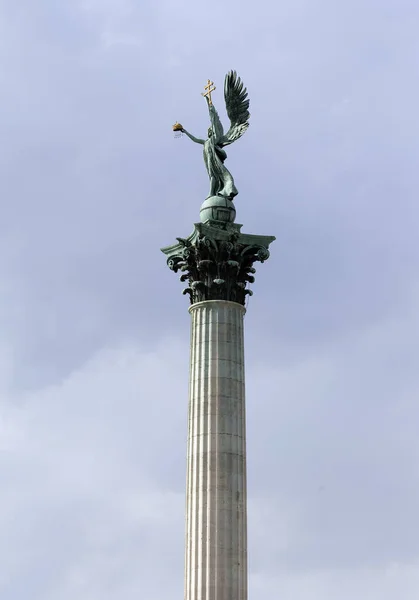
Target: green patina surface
(217,259)
(237,107)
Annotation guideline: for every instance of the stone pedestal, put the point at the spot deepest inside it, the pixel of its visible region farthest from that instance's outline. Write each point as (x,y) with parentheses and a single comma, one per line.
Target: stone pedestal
(216,518)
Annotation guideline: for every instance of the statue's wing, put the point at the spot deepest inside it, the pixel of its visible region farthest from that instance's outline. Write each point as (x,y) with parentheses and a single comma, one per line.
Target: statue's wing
(237,106)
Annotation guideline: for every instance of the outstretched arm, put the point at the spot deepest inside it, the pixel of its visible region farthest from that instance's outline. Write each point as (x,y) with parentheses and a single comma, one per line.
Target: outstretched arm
(192,137)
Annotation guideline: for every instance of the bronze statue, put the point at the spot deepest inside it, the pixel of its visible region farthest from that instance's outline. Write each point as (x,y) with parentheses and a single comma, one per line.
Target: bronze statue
(237,106)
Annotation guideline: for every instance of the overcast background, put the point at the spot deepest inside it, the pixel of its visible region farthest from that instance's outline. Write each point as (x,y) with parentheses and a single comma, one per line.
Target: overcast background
(94,330)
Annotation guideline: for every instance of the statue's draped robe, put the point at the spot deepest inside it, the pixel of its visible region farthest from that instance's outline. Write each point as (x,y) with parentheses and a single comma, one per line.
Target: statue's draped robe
(221,180)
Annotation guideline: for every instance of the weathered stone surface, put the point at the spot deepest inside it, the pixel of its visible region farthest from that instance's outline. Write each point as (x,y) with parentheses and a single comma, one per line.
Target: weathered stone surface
(216,509)
(217,262)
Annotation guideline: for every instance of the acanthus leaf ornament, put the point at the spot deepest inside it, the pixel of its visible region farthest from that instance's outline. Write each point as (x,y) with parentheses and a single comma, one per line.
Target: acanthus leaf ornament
(216,264)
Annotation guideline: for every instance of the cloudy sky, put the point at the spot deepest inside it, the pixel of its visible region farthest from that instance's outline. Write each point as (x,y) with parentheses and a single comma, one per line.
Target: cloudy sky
(94,331)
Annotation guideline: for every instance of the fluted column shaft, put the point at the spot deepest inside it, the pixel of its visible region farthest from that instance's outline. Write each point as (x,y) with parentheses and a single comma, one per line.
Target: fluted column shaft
(216,510)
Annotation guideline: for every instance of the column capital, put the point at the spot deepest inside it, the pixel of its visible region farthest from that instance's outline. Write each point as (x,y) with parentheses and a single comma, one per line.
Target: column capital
(217,262)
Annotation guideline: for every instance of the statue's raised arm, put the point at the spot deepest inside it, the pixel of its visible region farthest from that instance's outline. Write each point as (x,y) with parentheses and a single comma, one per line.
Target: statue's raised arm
(237,106)
(216,126)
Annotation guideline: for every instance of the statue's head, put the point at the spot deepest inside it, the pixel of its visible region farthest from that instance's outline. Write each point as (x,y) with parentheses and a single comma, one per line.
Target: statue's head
(210,132)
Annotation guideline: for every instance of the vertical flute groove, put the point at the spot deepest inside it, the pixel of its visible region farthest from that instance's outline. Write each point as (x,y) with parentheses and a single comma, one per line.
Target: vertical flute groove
(216,544)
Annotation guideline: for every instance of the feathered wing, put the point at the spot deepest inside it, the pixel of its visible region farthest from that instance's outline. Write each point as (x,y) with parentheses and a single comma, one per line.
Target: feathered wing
(237,106)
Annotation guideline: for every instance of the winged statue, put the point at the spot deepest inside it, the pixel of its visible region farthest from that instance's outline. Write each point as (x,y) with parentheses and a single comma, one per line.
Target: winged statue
(237,106)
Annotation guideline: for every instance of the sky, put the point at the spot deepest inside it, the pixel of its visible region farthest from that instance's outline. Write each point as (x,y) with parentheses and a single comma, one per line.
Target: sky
(94,330)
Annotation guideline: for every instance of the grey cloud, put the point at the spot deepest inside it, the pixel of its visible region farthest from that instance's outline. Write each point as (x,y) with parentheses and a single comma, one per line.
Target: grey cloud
(92,185)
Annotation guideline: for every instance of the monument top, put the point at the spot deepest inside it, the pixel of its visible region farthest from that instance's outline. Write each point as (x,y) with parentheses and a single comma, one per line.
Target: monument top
(217,259)
(237,106)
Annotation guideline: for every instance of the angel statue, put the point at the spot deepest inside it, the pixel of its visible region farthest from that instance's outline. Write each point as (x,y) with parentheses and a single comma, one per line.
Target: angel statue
(237,106)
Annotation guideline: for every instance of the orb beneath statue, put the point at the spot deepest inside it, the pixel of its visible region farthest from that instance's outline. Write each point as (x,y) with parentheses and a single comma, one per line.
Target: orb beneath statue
(218,209)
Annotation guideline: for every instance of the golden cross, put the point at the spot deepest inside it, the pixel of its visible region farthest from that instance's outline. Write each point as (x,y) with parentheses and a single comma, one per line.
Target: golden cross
(209,90)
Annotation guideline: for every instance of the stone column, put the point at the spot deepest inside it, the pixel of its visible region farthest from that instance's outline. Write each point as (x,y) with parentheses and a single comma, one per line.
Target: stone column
(216,261)
(216,518)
